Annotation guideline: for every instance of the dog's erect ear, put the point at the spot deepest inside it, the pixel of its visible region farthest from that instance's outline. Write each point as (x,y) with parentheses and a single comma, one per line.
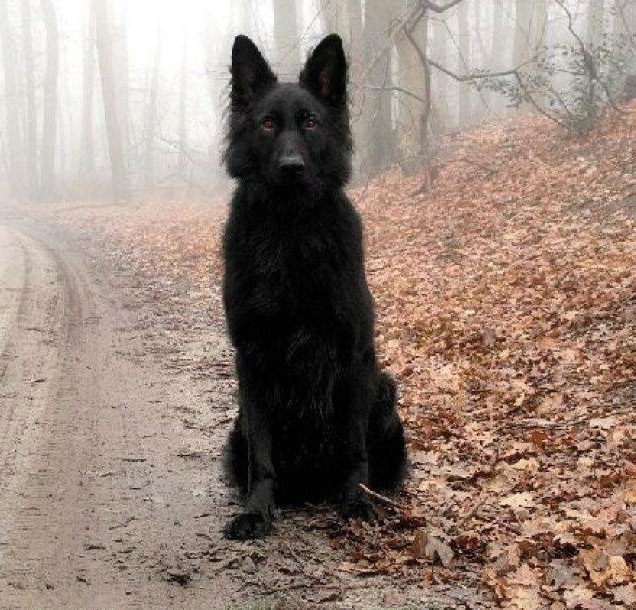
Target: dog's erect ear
(325,73)
(250,72)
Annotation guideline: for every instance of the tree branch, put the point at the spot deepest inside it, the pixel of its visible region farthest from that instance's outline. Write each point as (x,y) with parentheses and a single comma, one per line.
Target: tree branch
(476,75)
(534,103)
(419,98)
(588,61)
(436,8)
(516,72)
(407,23)
(380,497)
(411,19)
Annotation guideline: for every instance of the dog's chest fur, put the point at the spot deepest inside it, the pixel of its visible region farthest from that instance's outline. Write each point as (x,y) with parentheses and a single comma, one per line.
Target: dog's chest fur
(296,266)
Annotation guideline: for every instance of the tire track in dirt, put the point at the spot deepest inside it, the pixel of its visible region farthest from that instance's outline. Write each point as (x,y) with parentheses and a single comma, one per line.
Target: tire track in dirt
(88,481)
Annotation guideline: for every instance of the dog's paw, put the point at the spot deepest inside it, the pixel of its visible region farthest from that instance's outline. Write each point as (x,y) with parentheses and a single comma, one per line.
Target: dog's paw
(247,526)
(359,509)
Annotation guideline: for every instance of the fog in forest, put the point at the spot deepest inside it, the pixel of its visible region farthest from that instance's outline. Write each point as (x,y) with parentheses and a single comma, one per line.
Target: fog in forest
(447,350)
(126,99)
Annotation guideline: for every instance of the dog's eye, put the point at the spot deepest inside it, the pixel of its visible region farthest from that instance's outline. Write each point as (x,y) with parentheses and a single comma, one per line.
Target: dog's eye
(309,122)
(267,123)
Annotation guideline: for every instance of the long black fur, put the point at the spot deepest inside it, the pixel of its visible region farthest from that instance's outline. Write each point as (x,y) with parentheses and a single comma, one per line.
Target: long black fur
(316,416)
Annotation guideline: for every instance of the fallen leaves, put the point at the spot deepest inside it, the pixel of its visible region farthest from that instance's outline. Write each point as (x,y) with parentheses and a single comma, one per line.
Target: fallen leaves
(506,310)
(428,545)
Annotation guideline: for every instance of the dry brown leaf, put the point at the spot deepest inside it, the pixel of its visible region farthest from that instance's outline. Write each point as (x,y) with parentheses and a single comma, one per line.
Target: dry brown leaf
(518,500)
(428,546)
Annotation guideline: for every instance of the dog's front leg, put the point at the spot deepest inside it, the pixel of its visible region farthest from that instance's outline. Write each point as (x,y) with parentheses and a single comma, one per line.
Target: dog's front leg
(355,456)
(256,520)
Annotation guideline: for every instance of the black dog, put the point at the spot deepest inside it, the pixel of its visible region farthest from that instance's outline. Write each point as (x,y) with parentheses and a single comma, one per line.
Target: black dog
(316,416)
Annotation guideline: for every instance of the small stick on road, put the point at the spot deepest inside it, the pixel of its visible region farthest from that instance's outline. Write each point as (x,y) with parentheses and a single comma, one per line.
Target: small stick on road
(380,497)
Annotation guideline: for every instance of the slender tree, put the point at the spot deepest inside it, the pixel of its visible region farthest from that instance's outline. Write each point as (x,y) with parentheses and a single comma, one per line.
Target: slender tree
(478,56)
(499,51)
(355,27)
(379,140)
(465,94)
(594,29)
(440,117)
(286,40)
(523,29)
(593,38)
(498,43)
(630,19)
(331,14)
(183,100)
(414,90)
(354,44)
(151,117)
(14,150)
(104,37)
(244,16)
(87,150)
(122,77)
(624,25)
(624,42)
(62,129)
(32,181)
(539,24)
(50,103)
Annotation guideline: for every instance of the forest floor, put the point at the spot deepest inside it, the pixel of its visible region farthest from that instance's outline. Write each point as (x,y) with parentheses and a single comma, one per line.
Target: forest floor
(506,307)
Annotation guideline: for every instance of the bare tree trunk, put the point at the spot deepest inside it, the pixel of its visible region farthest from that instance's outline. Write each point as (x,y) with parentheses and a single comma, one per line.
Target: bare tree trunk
(630,19)
(244,16)
(330,15)
(413,84)
(530,24)
(104,35)
(440,118)
(122,77)
(151,120)
(69,124)
(624,25)
(183,101)
(594,30)
(354,20)
(15,152)
(498,52)
(62,138)
(87,150)
(593,38)
(49,125)
(32,182)
(464,112)
(478,56)
(523,31)
(523,36)
(539,23)
(498,42)
(379,144)
(286,41)
(624,44)
(354,45)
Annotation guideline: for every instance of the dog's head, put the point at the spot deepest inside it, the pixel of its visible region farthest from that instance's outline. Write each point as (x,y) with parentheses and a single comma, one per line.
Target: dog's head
(293,136)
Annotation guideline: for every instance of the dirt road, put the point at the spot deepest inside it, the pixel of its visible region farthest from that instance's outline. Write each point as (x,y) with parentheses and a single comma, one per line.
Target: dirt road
(105,496)
(111,494)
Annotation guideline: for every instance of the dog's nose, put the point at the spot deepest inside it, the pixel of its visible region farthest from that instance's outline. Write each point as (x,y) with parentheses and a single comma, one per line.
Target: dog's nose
(292,164)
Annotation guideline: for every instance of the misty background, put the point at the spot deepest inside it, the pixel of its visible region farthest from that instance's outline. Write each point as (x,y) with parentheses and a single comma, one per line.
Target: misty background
(103,99)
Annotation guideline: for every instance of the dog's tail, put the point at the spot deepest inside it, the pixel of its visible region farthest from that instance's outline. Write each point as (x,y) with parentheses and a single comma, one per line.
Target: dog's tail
(387,447)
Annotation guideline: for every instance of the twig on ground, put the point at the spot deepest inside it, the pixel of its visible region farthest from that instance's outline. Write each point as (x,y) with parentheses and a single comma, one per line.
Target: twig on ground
(376,496)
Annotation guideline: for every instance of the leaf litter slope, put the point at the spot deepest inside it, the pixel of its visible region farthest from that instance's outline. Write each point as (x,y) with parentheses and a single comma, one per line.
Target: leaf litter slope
(506,302)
